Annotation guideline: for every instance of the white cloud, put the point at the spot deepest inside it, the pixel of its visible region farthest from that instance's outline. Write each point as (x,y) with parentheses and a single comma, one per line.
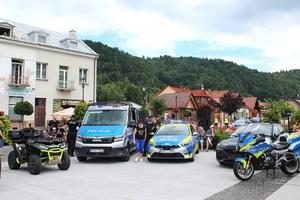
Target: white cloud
(153,27)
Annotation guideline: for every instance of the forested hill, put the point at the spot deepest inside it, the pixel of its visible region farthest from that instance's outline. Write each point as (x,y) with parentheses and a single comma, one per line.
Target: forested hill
(117,69)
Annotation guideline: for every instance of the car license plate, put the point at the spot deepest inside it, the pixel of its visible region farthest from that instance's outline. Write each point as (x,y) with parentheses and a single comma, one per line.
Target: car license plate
(97,150)
(166,151)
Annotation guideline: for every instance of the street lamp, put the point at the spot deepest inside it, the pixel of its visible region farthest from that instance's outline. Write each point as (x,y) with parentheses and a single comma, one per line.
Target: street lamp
(83,82)
(176,114)
(288,114)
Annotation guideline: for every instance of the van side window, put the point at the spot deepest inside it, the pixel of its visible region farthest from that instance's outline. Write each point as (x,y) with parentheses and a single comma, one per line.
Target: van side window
(133,114)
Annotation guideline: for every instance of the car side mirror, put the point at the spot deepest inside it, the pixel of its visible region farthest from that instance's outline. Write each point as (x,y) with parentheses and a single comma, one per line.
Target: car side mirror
(132,123)
(195,133)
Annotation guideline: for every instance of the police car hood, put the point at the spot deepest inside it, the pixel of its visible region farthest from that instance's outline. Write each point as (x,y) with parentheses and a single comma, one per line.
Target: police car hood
(101,130)
(169,139)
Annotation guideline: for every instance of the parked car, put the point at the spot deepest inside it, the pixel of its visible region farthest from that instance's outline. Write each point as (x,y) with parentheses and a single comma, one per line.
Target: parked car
(176,139)
(226,149)
(240,122)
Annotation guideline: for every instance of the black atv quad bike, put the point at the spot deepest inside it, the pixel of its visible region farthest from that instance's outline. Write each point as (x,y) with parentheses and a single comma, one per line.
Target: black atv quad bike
(31,146)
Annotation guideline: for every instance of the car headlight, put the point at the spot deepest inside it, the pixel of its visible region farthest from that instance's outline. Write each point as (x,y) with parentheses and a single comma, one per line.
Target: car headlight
(151,143)
(185,143)
(119,138)
(79,138)
(219,146)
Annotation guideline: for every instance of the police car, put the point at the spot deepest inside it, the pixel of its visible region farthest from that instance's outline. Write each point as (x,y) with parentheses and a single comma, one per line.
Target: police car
(175,139)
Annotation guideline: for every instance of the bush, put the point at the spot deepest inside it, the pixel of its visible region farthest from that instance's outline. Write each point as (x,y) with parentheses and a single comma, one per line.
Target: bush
(6,127)
(23,108)
(80,110)
(221,135)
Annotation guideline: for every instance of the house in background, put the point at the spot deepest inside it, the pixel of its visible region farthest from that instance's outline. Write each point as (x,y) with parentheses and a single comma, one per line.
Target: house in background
(207,98)
(295,103)
(178,102)
(51,70)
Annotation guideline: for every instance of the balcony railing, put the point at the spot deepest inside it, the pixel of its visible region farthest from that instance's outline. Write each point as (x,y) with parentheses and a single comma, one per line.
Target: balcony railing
(19,81)
(65,85)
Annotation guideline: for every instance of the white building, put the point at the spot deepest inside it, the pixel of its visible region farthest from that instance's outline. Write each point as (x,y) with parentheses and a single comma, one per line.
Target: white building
(51,70)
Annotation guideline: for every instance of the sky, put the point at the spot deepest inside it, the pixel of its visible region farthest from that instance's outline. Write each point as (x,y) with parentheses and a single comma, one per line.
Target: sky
(259,34)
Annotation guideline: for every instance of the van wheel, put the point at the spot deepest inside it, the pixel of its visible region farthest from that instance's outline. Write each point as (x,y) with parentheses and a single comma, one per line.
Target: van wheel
(127,155)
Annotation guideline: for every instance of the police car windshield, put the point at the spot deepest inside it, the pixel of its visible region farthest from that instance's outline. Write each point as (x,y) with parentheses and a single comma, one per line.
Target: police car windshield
(173,130)
(105,118)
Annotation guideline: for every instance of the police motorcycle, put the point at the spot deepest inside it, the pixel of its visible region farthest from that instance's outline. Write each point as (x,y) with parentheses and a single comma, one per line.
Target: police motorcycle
(267,152)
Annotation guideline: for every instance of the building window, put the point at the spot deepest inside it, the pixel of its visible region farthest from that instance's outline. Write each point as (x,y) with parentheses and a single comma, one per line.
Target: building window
(63,77)
(73,45)
(17,71)
(5,31)
(41,39)
(11,113)
(82,75)
(41,71)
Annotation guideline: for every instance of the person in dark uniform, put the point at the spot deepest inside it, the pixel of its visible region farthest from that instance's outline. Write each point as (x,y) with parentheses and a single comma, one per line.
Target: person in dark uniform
(149,126)
(72,126)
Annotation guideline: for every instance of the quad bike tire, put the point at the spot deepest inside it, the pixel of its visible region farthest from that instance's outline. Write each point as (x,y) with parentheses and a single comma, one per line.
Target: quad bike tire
(243,173)
(65,161)
(12,160)
(34,164)
(292,166)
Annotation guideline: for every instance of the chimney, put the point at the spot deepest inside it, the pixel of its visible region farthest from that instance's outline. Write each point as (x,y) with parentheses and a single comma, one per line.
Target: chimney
(72,33)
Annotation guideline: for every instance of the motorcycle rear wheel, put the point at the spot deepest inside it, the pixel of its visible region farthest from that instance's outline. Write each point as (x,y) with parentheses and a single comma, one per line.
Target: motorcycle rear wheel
(292,166)
(241,172)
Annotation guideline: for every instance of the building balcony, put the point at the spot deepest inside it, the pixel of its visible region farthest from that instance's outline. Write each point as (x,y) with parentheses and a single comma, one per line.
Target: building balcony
(65,86)
(18,81)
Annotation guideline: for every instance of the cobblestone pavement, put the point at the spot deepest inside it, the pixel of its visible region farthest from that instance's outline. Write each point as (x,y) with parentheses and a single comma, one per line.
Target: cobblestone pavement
(259,187)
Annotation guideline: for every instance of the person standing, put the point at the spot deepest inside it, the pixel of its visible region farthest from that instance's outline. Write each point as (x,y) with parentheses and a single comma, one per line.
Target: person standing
(202,134)
(216,121)
(149,126)
(210,134)
(72,126)
(139,136)
(1,138)
(53,123)
(226,122)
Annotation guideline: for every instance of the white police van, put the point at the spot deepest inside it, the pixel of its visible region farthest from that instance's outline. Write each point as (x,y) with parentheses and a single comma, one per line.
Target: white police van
(107,130)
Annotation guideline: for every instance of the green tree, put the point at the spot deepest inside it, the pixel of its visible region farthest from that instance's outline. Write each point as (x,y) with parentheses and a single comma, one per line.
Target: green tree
(204,115)
(23,108)
(134,94)
(187,113)
(277,111)
(110,92)
(158,106)
(230,103)
(80,110)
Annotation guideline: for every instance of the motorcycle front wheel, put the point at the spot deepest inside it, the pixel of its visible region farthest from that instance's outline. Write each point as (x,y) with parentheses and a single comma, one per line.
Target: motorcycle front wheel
(241,172)
(290,167)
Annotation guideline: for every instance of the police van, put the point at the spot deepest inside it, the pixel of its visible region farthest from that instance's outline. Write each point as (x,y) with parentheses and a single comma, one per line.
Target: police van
(107,130)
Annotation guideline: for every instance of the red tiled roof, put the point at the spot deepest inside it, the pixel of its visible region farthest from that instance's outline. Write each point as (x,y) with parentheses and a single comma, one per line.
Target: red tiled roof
(250,102)
(183,99)
(199,93)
